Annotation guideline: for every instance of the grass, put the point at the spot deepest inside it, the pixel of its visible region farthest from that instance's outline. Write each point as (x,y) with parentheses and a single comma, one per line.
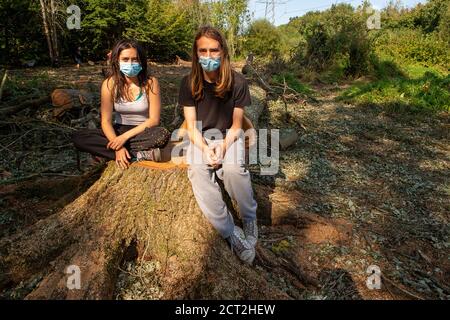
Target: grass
(413,88)
(292,82)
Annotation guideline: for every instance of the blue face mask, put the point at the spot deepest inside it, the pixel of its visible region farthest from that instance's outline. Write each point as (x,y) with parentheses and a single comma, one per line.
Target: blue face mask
(209,64)
(130,69)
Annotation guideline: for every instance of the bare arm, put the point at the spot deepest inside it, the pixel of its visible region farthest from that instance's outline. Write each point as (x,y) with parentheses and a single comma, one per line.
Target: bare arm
(194,134)
(154,115)
(106,110)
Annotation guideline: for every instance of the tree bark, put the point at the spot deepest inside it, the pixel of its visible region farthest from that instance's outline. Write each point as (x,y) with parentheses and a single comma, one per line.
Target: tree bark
(47,29)
(150,209)
(145,212)
(54,32)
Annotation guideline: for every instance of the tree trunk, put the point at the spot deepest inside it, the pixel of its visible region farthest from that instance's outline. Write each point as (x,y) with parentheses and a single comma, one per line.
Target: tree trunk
(54,32)
(147,210)
(47,29)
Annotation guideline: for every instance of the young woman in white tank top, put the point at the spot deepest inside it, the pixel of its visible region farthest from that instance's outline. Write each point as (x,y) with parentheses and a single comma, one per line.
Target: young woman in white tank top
(134,132)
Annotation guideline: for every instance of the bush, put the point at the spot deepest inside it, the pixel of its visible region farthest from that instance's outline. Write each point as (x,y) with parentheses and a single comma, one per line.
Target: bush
(262,39)
(444,26)
(414,46)
(336,37)
(428,93)
(290,39)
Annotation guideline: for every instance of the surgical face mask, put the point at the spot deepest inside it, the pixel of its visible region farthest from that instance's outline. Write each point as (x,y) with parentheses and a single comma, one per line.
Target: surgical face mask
(209,64)
(130,69)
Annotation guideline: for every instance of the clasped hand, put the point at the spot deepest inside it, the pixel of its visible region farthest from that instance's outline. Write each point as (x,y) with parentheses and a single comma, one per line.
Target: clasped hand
(215,154)
(117,143)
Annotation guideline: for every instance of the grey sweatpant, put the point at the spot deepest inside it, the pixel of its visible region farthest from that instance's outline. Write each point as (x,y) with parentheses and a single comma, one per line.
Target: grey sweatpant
(237,183)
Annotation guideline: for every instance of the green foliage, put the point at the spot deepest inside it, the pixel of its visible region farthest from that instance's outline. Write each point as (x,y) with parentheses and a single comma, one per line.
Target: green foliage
(230,16)
(292,82)
(164,28)
(290,40)
(262,39)
(428,17)
(414,46)
(21,36)
(335,35)
(444,26)
(425,17)
(427,93)
(101,26)
(384,68)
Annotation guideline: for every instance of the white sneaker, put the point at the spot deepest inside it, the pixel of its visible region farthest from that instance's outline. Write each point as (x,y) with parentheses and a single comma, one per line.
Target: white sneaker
(251,232)
(244,250)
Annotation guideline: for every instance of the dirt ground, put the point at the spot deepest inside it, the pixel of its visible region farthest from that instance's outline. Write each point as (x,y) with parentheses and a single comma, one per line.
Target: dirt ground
(361,187)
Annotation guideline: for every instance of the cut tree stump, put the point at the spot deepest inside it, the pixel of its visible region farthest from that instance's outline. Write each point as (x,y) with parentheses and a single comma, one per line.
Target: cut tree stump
(145,212)
(144,208)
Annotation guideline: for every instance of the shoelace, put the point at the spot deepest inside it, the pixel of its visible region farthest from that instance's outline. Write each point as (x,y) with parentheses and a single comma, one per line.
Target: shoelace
(237,242)
(144,155)
(250,228)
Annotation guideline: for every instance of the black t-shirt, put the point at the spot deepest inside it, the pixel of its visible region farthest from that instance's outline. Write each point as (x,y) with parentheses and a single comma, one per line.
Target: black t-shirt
(215,112)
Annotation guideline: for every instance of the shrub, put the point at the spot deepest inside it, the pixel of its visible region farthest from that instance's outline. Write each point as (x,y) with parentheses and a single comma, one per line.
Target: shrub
(337,37)
(262,39)
(414,46)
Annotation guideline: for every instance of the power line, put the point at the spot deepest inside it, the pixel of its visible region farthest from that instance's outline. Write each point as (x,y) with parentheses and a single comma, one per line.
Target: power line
(270,9)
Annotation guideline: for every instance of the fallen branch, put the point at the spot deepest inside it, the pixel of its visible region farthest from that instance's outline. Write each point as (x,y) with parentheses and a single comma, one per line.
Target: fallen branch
(401,289)
(24,105)
(251,71)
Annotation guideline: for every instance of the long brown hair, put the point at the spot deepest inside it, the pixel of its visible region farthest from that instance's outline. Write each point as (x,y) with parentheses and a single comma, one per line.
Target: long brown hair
(118,89)
(225,80)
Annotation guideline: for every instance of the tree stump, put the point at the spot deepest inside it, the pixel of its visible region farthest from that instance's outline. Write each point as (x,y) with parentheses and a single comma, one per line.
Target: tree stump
(147,212)
(147,208)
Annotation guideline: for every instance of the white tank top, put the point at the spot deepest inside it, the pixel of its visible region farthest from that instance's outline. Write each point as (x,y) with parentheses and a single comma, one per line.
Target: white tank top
(132,113)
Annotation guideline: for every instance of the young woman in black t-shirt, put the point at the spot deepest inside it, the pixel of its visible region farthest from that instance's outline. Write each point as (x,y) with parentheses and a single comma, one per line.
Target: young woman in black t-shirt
(214,97)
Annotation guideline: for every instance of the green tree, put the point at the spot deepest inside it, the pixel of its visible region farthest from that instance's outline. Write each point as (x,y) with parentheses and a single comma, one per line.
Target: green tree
(21,35)
(444,25)
(165,27)
(102,24)
(263,39)
(231,16)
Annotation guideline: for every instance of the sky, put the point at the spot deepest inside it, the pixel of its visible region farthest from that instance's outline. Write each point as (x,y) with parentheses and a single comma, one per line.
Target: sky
(286,9)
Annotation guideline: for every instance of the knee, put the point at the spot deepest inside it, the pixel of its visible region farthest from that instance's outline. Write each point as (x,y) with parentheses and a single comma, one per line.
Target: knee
(234,170)
(164,134)
(159,135)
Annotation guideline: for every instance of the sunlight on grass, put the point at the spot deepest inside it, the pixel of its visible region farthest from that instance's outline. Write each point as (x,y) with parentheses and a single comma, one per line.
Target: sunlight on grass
(420,89)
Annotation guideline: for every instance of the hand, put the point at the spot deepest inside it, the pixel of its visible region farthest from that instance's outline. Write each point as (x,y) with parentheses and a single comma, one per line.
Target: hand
(219,150)
(117,143)
(210,156)
(122,157)
(214,155)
